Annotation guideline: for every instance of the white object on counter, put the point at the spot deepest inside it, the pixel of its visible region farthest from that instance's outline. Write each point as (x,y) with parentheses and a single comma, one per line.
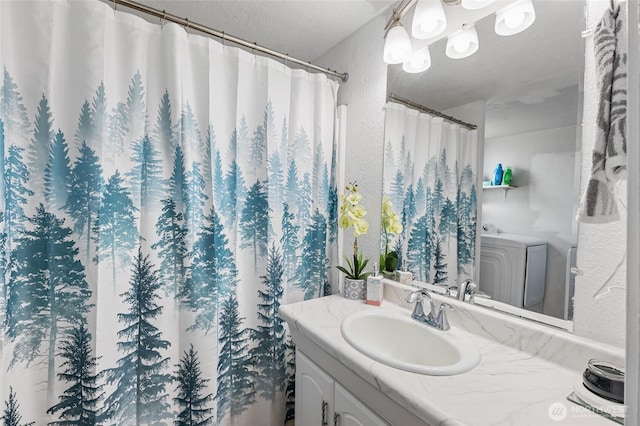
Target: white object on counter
(375,288)
(404,276)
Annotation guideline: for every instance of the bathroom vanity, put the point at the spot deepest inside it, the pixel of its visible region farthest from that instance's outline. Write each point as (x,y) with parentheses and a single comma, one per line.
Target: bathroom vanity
(525,372)
(322,399)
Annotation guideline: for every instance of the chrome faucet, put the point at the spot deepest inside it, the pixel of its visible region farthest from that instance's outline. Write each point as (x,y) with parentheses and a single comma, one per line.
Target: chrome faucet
(467,287)
(438,321)
(418,297)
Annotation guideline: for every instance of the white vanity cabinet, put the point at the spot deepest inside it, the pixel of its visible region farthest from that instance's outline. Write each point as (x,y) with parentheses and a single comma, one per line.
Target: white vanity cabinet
(322,401)
(314,393)
(349,411)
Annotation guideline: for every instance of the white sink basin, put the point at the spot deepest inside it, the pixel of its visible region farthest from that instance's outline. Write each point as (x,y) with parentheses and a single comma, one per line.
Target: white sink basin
(401,342)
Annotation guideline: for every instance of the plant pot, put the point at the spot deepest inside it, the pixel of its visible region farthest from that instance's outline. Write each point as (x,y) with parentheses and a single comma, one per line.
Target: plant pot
(355,289)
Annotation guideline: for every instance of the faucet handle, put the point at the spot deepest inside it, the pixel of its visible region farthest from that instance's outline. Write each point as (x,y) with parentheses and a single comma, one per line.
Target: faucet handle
(411,297)
(418,297)
(419,294)
(441,320)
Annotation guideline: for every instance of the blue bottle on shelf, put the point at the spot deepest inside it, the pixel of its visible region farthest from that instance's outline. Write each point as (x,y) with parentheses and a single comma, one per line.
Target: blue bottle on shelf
(497,175)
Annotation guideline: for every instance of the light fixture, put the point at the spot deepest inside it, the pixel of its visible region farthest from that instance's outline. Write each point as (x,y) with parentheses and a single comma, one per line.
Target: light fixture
(397,46)
(429,19)
(515,18)
(430,23)
(419,61)
(476,4)
(462,43)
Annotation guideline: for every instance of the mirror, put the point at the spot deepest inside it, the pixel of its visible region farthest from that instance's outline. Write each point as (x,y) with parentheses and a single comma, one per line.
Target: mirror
(525,94)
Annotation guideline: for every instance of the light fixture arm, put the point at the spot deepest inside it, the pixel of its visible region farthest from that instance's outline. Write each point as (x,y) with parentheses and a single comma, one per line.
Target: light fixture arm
(398,12)
(394,23)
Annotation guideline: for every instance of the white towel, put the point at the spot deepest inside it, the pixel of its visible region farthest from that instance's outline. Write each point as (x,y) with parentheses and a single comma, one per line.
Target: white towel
(609,164)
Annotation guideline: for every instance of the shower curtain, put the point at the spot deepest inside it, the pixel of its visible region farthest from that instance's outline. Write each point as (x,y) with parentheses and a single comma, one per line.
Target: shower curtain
(162,195)
(430,177)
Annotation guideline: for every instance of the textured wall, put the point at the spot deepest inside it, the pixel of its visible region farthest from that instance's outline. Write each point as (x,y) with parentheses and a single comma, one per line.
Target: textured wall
(543,205)
(364,94)
(600,246)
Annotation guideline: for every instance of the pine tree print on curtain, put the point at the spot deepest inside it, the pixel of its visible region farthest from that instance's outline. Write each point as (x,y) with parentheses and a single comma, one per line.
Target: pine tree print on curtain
(11,415)
(157,213)
(254,221)
(83,202)
(236,378)
(145,178)
(312,269)
(195,405)
(431,177)
(115,227)
(213,274)
(16,176)
(85,130)
(100,116)
(38,151)
(79,402)
(269,354)
(141,377)
(12,110)
(57,173)
(172,248)
(47,292)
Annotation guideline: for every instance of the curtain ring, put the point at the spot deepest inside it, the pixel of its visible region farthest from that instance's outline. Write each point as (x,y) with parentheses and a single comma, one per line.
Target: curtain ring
(223,38)
(115,5)
(163,18)
(187,25)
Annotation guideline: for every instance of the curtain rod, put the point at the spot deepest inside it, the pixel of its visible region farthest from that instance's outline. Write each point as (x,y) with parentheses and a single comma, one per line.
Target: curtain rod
(185,22)
(414,105)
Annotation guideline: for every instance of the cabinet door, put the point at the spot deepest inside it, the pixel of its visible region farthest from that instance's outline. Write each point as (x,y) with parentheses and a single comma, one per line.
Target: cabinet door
(351,412)
(314,394)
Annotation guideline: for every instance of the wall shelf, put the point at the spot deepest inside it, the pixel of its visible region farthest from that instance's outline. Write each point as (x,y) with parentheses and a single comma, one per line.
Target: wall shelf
(505,188)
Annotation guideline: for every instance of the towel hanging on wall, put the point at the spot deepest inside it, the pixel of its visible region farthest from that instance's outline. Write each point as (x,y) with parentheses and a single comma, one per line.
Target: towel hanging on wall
(609,163)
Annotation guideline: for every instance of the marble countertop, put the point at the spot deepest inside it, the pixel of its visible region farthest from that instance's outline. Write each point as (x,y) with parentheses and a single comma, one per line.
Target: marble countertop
(508,387)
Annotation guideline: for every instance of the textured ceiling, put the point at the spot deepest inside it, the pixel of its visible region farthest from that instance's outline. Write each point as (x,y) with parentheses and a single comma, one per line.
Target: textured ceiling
(304,29)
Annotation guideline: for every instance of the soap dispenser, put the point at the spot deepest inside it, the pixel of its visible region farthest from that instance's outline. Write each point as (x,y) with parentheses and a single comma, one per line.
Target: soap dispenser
(404,276)
(375,287)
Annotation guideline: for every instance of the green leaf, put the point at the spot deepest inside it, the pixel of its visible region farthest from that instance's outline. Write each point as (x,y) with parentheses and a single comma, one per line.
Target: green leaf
(344,271)
(355,268)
